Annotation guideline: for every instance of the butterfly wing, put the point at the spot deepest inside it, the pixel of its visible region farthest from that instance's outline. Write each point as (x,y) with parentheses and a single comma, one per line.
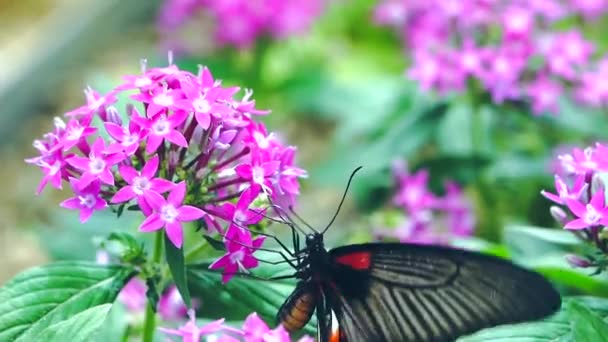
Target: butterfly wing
(402,292)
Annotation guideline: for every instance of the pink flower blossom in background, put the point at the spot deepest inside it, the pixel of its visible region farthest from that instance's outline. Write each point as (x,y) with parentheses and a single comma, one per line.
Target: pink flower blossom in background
(191,332)
(256,330)
(240,23)
(528,59)
(425,217)
(171,306)
(187,150)
(133,296)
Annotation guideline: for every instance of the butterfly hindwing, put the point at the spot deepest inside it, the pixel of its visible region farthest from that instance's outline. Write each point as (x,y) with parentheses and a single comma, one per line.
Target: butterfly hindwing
(402,292)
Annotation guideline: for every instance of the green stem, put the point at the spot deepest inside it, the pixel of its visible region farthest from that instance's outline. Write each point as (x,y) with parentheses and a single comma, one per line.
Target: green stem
(150,315)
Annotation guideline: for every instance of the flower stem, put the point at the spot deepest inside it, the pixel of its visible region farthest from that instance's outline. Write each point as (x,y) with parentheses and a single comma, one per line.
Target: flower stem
(150,315)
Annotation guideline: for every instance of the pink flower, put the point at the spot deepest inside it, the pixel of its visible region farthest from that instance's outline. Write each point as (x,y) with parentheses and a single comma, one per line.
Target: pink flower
(545,94)
(171,305)
(75,132)
(590,8)
(190,332)
(563,193)
(257,331)
(87,200)
(202,103)
(163,128)
(517,22)
(127,139)
(170,214)
(95,104)
(239,252)
(591,214)
(97,165)
(240,214)
(133,295)
(259,172)
(141,184)
(160,99)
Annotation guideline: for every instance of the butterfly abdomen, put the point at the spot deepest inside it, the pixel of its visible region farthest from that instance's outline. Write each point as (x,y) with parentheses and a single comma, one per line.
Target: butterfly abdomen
(297,309)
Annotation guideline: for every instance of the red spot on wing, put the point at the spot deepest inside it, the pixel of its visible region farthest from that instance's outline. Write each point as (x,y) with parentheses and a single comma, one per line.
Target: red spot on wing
(356,260)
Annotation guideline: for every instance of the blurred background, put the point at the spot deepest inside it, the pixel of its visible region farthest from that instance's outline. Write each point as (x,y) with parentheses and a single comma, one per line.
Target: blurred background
(362,82)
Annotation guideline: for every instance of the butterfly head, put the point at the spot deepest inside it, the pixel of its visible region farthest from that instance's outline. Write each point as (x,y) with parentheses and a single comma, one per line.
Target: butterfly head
(314,241)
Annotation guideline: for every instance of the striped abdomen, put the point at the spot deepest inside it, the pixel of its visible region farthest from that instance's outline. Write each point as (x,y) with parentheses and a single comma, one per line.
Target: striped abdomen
(297,309)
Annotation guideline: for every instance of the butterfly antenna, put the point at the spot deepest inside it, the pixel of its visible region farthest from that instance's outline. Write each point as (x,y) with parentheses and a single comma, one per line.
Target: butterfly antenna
(342,200)
(301,219)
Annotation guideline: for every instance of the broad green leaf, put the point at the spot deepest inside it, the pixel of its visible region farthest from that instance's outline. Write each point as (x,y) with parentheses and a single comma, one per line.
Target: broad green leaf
(587,326)
(78,328)
(242,295)
(557,327)
(175,259)
(115,325)
(45,296)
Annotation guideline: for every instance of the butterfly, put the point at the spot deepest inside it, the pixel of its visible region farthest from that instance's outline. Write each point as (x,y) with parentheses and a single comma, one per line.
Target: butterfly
(407,292)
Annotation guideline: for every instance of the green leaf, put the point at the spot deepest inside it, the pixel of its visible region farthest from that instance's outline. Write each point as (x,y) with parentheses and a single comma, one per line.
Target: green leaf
(177,266)
(54,294)
(557,327)
(78,328)
(215,243)
(242,295)
(587,326)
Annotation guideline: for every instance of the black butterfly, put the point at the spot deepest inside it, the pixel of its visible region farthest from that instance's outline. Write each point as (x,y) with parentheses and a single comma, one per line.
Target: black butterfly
(405,292)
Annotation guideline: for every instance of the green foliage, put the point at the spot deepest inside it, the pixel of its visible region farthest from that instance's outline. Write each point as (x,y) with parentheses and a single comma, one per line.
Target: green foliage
(579,319)
(177,266)
(242,295)
(51,302)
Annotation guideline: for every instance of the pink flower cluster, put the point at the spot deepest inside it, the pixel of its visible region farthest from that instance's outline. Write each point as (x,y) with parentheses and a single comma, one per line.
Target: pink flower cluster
(184,150)
(241,22)
(580,198)
(509,46)
(254,330)
(429,219)
(170,307)
(580,194)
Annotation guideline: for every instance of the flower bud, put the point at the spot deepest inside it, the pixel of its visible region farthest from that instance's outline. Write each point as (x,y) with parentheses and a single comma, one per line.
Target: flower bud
(559,214)
(113,116)
(576,261)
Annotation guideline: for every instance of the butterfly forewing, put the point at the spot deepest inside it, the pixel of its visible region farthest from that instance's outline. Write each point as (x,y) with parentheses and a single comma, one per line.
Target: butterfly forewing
(402,292)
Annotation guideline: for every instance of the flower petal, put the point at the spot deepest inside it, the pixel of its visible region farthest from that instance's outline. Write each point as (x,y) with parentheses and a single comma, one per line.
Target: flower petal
(149,170)
(175,233)
(123,195)
(152,223)
(177,195)
(190,213)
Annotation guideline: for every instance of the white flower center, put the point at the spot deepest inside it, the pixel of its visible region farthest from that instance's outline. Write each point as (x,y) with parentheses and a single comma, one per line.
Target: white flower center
(55,168)
(140,184)
(87,201)
(592,217)
(168,213)
(97,165)
(130,139)
(201,105)
(161,127)
(240,217)
(237,257)
(257,174)
(74,133)
(142,82)
(163,100)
